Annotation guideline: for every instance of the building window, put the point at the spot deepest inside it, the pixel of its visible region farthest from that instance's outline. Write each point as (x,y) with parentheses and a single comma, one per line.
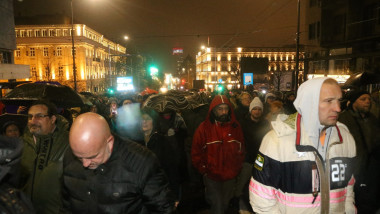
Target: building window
(5,57)
(312,3)
(214,78)
(338,24)
(46,51)
(18,52)
(33,71)
(44,33)
(23,33)
(51,33)
(60,72)
(59,32)
(65,32)
(318,30)
(32,52)
(17,33)
(29,33)
(37,33)
(59,51)
(312,31)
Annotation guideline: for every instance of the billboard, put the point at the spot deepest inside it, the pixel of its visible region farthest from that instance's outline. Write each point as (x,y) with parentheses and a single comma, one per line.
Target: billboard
(254,65)
(124,84)
(248,78)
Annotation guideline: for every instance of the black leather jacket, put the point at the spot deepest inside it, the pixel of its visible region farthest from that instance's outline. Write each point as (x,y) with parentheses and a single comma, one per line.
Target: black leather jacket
(131,181)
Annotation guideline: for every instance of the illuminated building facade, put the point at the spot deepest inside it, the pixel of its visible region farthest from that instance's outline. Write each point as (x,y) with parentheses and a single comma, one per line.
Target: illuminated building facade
(222,65)
(48,51)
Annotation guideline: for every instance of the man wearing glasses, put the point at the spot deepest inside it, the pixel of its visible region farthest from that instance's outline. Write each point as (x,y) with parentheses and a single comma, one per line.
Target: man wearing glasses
(45,142)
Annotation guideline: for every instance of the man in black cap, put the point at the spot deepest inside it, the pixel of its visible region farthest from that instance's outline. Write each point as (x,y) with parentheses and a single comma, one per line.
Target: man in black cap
(364,127)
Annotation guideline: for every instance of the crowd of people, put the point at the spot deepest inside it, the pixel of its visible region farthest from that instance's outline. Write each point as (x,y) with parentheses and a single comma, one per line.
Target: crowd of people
(314,151)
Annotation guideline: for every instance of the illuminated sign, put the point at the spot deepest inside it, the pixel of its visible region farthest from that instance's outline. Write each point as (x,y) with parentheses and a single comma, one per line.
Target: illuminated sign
(339,78)
(177,51)
(248,78)
(124,84)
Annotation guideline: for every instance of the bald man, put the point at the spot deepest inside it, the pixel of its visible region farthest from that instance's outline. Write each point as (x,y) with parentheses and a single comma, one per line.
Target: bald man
(104,174)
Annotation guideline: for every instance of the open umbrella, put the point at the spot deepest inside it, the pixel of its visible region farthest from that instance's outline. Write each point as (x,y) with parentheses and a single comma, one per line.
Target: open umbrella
(364,78)
(163,103)
(60,95)
(20,119)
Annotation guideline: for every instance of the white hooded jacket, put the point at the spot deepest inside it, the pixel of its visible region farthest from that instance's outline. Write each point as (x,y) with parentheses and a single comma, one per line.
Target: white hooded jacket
(290,175)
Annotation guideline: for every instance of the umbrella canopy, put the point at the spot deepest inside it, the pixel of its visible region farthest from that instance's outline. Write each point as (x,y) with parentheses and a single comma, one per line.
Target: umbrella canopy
(164,103)
(60,95)
(20,119)
(365,78)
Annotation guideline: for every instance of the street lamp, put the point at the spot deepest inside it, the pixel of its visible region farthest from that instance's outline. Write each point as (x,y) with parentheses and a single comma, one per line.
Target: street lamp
(73,46)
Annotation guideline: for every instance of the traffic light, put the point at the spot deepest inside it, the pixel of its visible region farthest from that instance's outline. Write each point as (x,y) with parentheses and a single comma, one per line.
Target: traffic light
(183,81)
(110,91)
(220,88)
(153,70)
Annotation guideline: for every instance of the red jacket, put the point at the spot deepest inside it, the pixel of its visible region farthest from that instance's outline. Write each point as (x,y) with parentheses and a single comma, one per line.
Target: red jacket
(218,148)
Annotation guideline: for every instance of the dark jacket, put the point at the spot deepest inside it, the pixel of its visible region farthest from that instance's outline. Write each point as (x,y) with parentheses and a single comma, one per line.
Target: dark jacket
(367,174)
(218,148)
(168,157)
(41,164)
(254,133)
(131,181)
(241,112)
(365,132)
(12,200)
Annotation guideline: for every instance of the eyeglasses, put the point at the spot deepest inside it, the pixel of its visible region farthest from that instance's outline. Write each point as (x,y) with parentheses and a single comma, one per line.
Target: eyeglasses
(37,116)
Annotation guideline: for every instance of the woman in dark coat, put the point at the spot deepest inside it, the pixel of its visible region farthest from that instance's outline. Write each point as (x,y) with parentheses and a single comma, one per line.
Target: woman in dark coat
(166,153)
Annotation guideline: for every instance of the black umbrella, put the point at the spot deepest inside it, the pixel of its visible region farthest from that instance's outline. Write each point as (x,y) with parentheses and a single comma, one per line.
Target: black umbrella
(60,95)
(365,78)
(162,103)
(19,119)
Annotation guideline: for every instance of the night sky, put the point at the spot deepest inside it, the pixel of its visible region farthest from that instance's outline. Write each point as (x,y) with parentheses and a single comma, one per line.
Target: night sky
(157,26)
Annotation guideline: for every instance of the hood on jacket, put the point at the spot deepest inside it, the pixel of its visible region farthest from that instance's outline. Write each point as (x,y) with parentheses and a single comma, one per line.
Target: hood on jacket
(154,115)
(307,104)
(220,99)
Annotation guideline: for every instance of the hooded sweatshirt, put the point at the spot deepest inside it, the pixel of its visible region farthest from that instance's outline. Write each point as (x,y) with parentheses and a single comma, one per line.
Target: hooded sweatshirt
(307,104)
(291,176)
(218,148)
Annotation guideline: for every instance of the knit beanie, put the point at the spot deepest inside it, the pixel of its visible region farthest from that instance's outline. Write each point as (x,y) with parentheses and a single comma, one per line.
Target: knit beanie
(256,102)
(354,95)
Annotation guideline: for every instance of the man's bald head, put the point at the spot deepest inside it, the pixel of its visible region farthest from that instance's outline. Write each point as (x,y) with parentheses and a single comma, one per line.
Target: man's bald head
(91,139)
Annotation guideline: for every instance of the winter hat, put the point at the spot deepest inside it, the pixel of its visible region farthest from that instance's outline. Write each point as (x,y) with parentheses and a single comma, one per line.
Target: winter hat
(354,95)
(256,102)
(269,95)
